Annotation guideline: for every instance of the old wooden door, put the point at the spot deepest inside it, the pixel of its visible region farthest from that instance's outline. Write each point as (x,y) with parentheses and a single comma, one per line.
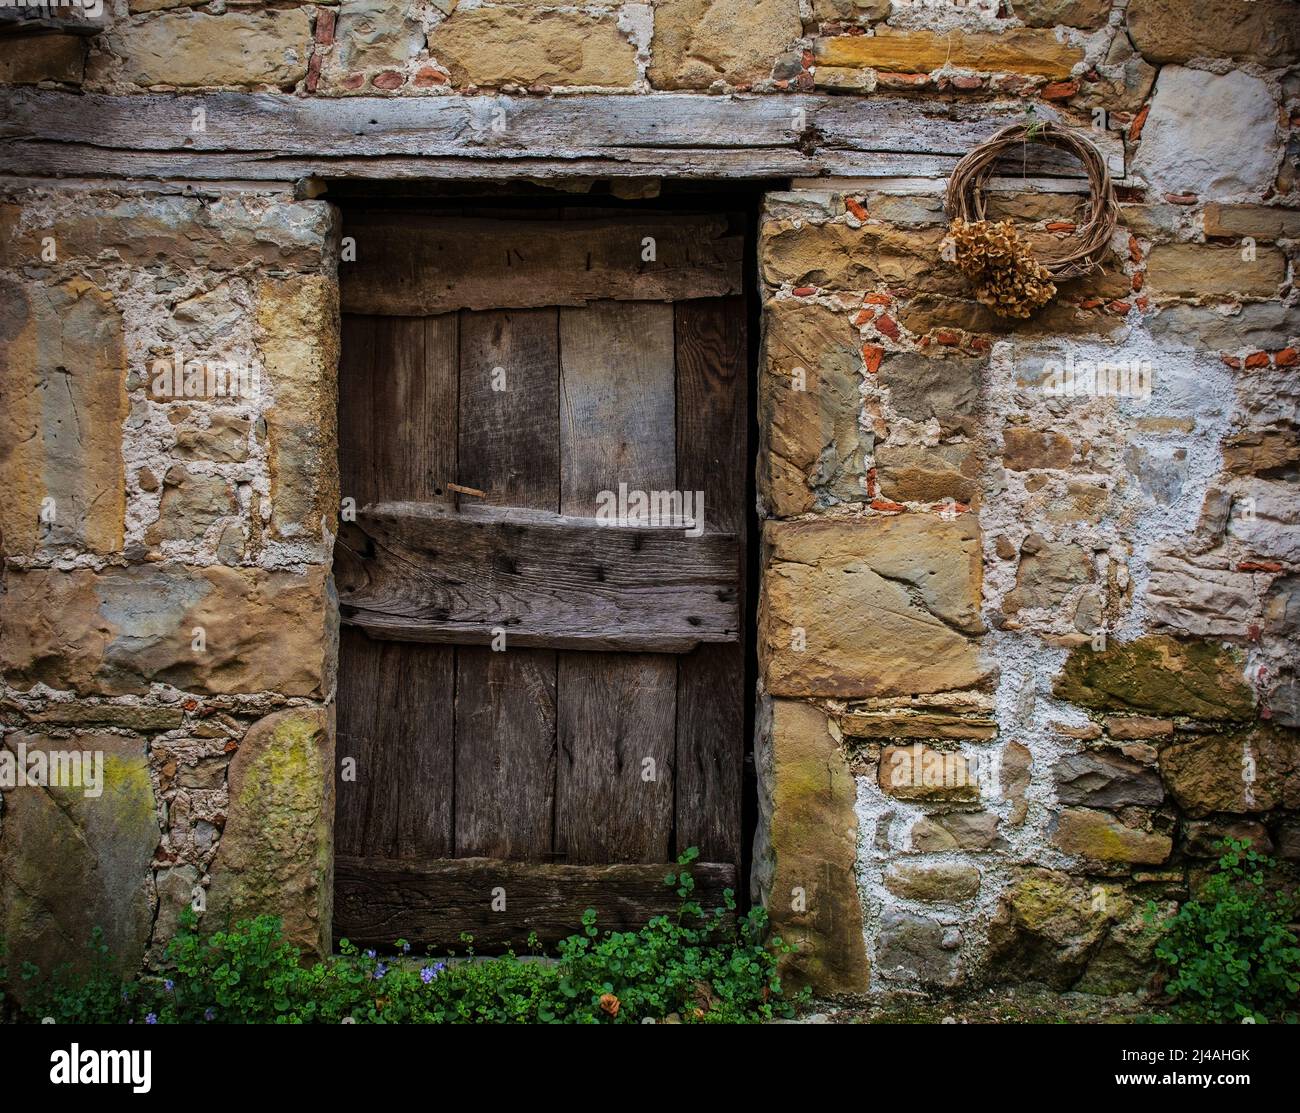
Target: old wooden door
(544,707)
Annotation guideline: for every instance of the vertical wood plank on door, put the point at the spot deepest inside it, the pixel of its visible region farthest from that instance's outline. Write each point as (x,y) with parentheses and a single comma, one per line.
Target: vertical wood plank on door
(711,457)
(616,712)
(505,701)
(356,369)
(395,703)
(505,753)
(509,438)
(397,415)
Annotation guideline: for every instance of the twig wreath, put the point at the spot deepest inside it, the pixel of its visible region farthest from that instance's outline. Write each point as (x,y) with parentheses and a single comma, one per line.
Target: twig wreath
(1007,275)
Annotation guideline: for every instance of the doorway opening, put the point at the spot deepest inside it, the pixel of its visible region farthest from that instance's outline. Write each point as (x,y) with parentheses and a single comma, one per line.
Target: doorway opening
(547,593)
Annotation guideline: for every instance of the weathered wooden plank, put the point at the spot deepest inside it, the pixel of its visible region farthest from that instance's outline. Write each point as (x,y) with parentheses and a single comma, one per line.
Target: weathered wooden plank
(505,701)
(614,789)
(418,264)
(356,418)
(546,580)
(31,158)
(616,402)
(617,715)
(263,136)
(505,753)
(848,126)
(394,708)
(509,407)
(712,452)
(430,903)
(397,433)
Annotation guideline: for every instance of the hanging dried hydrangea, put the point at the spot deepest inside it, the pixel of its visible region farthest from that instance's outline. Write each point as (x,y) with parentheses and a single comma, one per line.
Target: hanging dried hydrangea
(1006,274)
(1000,265)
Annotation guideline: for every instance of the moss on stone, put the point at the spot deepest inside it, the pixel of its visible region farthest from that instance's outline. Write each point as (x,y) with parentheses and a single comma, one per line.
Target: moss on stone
(1159,675)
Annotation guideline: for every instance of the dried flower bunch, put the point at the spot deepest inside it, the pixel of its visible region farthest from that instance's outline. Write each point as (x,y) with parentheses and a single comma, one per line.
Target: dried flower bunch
(1005,272)
(1001,267)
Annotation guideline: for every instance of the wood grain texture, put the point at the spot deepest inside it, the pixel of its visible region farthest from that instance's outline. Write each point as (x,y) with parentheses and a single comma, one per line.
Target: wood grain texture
(712,456)
(614,793)
(415,265)
(617,715)
(509,445)
(505,753)
(505,701)
(616,402)
(423,574)
(429,903)
(278,137)
(394,719)
(397,423)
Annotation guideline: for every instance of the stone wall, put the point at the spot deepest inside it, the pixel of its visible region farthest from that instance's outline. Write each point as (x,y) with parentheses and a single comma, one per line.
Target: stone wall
(166,582)
(1023,655)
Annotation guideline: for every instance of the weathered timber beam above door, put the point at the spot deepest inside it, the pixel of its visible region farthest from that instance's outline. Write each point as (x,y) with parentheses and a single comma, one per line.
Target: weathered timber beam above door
(418,572)
(282,138)
(416,265)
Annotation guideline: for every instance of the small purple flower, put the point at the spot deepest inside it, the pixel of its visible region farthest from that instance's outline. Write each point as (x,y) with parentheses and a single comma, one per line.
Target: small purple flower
(151,1019)
(380,971)
(370,954)
(406,948)
(427,974)
(209,1013)
(169,985)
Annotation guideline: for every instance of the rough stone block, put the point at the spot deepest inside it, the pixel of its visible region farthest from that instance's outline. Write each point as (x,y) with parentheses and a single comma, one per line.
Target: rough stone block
(63,384)
(119,631)
(1013,51)
(1255,326)
(940,882)
(1263,31)
(1261,222)
(923,773)
(1026,449)
(1101,837)
(876,607)
(956,831)
(1193,270)
(1085,14)
(1158,675)
(71,862)
(1246,772)
(236,49)
(945,391)
(1102,780)
(1214,136)
(911,948)
(839,257)
(920,473)
(1048,926)
(907,724)
(30,59)
(510,45)
(276,853)
(299,323)
(698,42)
(812,446)
(813,901)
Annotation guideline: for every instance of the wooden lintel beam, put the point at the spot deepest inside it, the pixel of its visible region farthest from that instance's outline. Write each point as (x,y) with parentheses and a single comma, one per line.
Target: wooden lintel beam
(279,137)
